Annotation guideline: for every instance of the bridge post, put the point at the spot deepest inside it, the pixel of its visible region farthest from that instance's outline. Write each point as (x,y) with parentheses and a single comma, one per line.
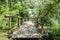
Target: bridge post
(10,24)
(42,24)
(18,22)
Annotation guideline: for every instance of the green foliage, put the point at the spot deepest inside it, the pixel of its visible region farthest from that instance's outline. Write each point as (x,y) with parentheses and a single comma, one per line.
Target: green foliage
(38,8)
(55,30)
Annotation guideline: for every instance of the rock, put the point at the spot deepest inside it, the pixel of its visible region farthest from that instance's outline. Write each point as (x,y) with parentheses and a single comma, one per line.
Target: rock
(26,30)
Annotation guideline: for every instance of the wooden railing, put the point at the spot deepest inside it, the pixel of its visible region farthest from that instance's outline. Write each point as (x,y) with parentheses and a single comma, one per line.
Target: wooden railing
(22,19)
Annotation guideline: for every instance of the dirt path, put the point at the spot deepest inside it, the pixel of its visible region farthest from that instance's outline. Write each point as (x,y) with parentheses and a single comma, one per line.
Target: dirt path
(2,36)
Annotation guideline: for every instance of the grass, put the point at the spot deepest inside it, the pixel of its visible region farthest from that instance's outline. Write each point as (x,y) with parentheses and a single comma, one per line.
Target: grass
(56,31)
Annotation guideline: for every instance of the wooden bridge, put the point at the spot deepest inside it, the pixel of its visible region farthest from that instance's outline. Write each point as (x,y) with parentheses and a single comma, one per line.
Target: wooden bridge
(23,19)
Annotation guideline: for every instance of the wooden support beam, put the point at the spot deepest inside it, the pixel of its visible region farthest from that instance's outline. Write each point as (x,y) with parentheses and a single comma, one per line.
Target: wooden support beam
(10,24)
(12,16)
